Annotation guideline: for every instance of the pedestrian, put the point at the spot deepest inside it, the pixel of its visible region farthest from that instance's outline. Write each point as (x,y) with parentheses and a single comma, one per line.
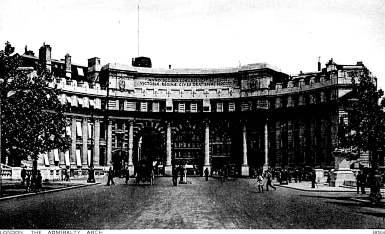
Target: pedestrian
(313,178)
(28,183)
(181,174)
(260,183)
(110,177)
(359,180)
(207,174)
(268,183)
(127,174)
(66,175)
(23,174)
(174,176)
(38,181)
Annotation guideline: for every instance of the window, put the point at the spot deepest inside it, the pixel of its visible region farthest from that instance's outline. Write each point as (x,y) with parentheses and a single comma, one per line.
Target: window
(219,107)
(181,107)
(129,106)
(155,107)
(231,106)
(143,106)
(194,107)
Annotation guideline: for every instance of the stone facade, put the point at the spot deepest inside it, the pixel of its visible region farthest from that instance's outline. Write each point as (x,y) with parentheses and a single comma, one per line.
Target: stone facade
(248,118)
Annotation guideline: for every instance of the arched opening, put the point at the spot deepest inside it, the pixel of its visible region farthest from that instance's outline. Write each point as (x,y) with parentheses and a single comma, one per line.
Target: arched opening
(149,146)
(119,161)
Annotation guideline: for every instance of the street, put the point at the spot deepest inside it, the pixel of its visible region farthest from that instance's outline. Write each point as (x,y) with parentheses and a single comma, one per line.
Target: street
(213,204)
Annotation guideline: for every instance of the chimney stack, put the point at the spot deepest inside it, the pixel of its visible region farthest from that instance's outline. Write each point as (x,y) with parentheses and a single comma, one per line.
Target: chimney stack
(94,68)
(45,56)
(169,66)
(319,64)
(67,61)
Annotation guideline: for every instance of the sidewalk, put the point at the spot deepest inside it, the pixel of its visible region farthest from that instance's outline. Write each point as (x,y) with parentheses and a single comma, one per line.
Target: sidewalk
(14,188)
(306,186)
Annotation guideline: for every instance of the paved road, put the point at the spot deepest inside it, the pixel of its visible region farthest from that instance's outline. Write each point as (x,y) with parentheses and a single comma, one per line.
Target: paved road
(201,204)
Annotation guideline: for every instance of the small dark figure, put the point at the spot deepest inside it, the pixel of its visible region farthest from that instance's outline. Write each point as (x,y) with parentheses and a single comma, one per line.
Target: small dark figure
(207,174)
(313,178)
(360,181)
(34,182)
(181,174)
(38,182)
(23,174)
(110,177)
(260,183)
(268,183)
(28,183)
(225,173)
(174,176)
(66,175)
(127,174)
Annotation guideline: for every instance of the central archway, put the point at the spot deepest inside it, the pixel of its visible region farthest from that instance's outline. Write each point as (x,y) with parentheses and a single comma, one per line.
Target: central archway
(149,145)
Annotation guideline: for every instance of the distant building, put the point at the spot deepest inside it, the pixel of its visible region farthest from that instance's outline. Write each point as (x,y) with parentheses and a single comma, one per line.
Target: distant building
(247,117)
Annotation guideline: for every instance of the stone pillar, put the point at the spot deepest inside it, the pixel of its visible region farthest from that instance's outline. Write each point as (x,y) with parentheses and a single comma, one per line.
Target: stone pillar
(207,148)
(109,143)
(168,167)
(313,146)
(266,164)
(302,143)
(245,166)
(73,142)
(278,153)
(130,146)
(96,142)
(290,148)
(85,142)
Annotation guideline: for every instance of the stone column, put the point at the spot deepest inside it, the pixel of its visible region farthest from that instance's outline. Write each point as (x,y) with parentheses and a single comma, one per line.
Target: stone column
(168,167)
(85,142)
(245,166)
(109,143)
(266,164)
(96,142)
(278,152)
(73,142)
(290,143)
(313,146)
(130,146)
(302,145)
(207,148)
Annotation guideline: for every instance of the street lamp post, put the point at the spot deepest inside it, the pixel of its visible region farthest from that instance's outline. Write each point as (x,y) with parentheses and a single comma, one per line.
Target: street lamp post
(91,176)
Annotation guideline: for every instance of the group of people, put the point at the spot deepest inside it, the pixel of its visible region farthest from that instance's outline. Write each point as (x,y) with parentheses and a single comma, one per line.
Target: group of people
(111,175)
(268,180)
(181,172)
(32,181)
(372,180)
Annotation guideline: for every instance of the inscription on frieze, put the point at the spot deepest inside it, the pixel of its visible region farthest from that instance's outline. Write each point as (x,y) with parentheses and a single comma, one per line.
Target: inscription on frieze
(185,82)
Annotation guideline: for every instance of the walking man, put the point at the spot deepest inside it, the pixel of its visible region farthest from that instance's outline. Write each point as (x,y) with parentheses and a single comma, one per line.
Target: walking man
(313,178)
(359,181)
(127,174)
(260,183)
(268,183)
(174,176)
(207,174)
(23,174)
(110,177)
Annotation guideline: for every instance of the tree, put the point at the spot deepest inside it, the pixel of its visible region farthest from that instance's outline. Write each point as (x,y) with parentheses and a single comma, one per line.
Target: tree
(365,130)
(33,120)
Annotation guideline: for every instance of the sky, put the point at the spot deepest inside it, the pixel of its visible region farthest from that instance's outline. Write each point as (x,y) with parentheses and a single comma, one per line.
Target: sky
(288,34)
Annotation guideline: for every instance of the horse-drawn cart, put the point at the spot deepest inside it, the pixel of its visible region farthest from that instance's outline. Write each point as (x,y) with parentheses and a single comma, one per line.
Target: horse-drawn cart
(145,172)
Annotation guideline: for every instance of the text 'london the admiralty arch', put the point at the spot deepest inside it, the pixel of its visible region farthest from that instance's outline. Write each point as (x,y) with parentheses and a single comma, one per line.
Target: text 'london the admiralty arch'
(248,118)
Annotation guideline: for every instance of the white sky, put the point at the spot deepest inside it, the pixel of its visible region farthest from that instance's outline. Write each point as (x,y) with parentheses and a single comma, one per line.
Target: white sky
(203,33)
